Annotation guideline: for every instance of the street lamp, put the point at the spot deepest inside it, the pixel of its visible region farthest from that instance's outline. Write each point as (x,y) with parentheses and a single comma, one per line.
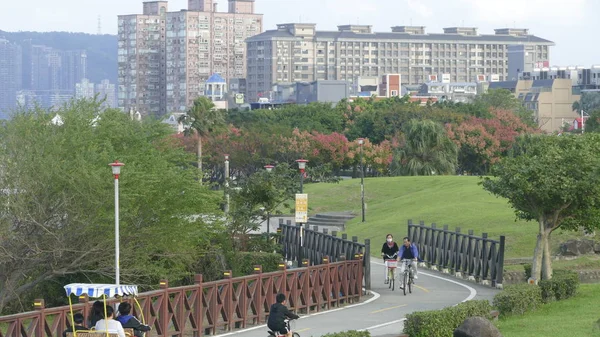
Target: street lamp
(361,142)
(116,171)
(301,167)
(226,184)
(269,169)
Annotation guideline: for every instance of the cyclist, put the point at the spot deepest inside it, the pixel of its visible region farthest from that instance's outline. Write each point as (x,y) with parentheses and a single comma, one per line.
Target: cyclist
(409,251)
(389,251)
(277,316)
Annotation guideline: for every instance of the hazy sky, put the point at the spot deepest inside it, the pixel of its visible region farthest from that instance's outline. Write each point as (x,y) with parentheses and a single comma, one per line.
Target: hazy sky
(573,25)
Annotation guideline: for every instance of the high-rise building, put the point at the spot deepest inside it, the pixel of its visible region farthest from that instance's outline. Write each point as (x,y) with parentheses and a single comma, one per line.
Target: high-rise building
(166,57)
(10,75)
(298,52)
(84,89)
(73,68)
(108,92)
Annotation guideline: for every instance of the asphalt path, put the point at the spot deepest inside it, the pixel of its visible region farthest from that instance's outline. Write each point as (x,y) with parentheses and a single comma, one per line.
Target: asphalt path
(383,312)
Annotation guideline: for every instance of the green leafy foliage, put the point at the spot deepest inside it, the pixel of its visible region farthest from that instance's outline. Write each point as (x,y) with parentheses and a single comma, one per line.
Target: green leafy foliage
(564,284)
(442,323)
(57,220)
(242,263)
(518,299)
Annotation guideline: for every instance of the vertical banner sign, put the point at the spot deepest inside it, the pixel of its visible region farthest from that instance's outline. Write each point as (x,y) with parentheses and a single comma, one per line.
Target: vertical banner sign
(301,212)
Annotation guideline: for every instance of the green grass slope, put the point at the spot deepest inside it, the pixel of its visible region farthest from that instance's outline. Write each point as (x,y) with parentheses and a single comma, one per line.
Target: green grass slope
(457,201)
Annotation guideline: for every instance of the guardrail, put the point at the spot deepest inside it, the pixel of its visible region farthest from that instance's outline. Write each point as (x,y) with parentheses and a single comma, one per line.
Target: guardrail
(465,255)
(300,243)
(206,308)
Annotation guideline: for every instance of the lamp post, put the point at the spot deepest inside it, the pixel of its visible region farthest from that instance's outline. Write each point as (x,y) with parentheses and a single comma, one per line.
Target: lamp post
(116,171)
(361,142)
(269,169)
(226,184)
(302,168)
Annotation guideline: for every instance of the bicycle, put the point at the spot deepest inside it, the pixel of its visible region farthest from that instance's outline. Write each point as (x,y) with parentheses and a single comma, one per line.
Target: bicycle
(391,263)
(407,277)
(287,325)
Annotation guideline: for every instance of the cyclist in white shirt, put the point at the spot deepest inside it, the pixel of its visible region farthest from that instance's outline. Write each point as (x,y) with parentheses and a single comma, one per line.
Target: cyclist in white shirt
(109,324)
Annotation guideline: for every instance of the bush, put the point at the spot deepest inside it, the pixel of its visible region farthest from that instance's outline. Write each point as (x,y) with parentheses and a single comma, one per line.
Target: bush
(350,333)
(518,299)
(242,263)
(562,285)
(527,268)
(442,323)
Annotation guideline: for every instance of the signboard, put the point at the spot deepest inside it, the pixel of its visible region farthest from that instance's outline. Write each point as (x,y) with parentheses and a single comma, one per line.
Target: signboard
(301,208)
(445,78)
(239,98)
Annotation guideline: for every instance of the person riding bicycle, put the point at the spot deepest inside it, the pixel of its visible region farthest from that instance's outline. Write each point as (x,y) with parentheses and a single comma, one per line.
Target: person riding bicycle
(277,316)
(389,251)
(409,251)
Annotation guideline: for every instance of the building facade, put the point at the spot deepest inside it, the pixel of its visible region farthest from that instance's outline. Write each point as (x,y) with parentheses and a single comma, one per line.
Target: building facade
(166,57)
(10,76)
(108,92)
(298,52)
(84,89)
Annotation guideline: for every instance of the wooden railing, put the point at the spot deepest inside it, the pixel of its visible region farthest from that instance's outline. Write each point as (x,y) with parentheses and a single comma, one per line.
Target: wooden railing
(208,308)
(471,256)
(313,245)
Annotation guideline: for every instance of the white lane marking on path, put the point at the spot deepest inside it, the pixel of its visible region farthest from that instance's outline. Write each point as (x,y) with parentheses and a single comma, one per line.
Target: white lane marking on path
(374,298)
(472,291)
(383,325)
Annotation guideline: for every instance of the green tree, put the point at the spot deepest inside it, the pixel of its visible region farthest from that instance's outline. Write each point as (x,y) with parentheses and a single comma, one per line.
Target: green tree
(57,210)
(502,99)
(554,181)
(201,120)
(426,150)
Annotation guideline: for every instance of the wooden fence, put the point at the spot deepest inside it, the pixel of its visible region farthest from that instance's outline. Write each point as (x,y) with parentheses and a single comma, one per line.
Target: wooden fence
(301,243)
(479,257)
(208,308)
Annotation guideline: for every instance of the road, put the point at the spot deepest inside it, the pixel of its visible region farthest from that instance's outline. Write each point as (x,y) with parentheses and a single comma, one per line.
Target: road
(383,313)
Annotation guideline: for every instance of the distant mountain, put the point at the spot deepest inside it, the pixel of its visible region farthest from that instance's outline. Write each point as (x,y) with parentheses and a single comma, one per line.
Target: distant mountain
(101,49)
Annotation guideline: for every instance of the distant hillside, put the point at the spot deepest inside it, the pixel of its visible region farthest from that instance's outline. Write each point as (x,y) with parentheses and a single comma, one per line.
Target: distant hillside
(101,49)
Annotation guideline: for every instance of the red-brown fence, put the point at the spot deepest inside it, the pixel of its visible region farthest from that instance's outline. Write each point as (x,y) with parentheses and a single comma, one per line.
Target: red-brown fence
(208,308)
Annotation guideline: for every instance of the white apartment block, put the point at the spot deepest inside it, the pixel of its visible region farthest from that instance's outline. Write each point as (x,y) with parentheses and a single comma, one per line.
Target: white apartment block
(84,89)
(166,57)
(298,52)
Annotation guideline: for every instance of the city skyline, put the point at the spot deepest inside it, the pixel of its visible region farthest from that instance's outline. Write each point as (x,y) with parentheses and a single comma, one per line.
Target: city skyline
(570,25)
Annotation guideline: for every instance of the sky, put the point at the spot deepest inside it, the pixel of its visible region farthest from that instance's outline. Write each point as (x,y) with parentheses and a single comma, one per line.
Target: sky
(571,24)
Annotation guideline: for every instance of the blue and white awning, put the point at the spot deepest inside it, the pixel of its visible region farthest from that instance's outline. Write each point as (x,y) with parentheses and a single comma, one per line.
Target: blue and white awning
(99,290)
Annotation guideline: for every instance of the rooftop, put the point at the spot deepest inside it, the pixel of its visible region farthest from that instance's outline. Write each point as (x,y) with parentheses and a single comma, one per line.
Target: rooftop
(216,78)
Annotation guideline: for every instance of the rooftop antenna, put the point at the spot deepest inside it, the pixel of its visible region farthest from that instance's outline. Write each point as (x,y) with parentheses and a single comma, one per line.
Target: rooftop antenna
(357,20)
(514,24)
(99,25)
(300,19)
(411,21)
(463,23)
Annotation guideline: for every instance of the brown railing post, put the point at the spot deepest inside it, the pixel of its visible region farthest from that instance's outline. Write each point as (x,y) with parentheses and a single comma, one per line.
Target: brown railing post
(164,309)
(39,305)
(198,306)
(258,296)
(305,263)
(228,300)
(367,264)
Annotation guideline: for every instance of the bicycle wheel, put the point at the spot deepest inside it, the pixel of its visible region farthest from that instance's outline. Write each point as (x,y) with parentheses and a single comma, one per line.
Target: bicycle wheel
(390,278)
(410,282)
(393,282)
(295,334)
(405,282)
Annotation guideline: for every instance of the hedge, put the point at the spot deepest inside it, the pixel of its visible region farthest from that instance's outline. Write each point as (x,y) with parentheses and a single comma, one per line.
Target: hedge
(442,323)
(350,333)
(562,285)
(242,263)
(518,299)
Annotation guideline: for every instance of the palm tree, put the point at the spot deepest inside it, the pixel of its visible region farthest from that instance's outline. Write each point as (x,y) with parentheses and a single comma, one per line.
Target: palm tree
(427,150)
(201,120)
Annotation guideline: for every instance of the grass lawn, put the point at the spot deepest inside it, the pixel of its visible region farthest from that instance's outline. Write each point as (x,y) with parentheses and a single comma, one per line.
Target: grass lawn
(457,201)
(573,317)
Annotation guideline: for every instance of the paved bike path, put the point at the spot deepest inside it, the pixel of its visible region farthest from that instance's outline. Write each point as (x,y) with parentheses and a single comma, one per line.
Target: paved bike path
(383,313)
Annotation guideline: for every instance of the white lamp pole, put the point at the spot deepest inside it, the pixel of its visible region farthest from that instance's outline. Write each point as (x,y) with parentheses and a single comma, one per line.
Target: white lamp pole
(226,184)
(116,170)
(269,169)
(361,142)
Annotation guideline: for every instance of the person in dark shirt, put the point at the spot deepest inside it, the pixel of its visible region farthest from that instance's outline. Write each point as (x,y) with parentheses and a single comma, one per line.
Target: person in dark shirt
(277,315)
(97,313)
(390,248)
(409,251)
(129,321)
(77,324)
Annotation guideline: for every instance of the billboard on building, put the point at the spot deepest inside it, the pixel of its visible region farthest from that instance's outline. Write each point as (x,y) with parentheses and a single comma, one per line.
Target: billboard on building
(239,98)
(445,78)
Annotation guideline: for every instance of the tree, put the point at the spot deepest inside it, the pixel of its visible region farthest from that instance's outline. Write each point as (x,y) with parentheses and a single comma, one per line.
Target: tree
(202,119)
(426,150)
(554,181)
(57,211)
(502,99)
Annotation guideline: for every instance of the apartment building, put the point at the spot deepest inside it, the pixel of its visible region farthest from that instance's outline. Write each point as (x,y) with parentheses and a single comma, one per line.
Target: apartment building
(298,52)
(10,76)
(581,77)
(166,57)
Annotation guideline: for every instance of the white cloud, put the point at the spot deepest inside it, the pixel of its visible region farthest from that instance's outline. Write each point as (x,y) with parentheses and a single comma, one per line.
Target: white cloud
(509,11)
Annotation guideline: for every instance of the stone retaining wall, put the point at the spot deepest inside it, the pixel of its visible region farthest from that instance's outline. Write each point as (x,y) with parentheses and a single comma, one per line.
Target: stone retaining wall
(585,276)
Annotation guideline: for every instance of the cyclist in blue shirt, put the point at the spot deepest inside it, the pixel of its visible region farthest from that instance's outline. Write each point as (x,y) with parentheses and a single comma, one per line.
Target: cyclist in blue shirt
(409,251)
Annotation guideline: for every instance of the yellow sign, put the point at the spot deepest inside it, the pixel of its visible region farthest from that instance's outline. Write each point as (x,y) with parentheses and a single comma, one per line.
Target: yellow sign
(301,208)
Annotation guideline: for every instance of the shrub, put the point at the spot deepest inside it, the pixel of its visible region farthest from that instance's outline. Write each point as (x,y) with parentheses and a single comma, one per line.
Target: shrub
(562,285)
(442,323)
(518,299)
(242,263)
(527,268)
(350,333)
